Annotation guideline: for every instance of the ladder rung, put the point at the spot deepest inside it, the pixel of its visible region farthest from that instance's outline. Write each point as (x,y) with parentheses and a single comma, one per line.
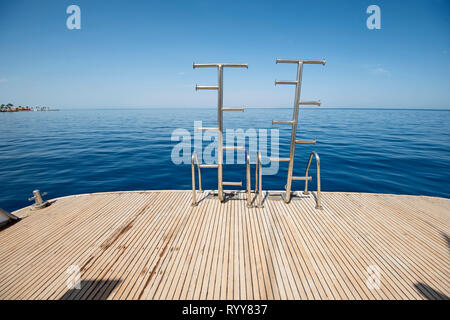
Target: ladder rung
(206,87)
(275,194)
(210,65)
(310,103)
(301,61)
(209,166)
(305,141)
(233,148)
(285,82)
(279,159)
(232,183)
(282,122)
(323,62)
(233,109)
(208,129)
(301,178)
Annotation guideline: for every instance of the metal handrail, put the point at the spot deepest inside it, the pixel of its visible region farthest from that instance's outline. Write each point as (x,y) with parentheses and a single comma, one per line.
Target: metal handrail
(195,159)
(258,186)
(314,154)
(258,181)
(249,183)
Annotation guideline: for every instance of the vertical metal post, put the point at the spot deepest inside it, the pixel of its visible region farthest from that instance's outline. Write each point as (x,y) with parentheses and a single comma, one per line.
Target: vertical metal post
(294,131)
(220,131)
(259,165)
(249,183)
(195,159)
(194,198)
(37,197)
(256,176)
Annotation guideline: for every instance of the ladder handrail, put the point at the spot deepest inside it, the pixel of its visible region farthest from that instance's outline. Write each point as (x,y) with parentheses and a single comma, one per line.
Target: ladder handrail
(258,181)
(195,159)
(314,154)
(249,183)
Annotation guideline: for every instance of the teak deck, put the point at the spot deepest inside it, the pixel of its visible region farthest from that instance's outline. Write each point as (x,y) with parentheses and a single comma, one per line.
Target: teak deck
(154,245)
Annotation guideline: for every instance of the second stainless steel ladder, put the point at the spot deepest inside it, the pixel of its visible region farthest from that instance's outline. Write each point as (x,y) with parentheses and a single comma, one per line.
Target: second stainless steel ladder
(294,123)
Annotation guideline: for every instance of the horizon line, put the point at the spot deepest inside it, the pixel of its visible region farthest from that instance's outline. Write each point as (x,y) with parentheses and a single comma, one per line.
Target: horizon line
(257,107)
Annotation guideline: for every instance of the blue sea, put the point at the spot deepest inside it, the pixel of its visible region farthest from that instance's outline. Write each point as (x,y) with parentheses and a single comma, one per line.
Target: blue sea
(96,150)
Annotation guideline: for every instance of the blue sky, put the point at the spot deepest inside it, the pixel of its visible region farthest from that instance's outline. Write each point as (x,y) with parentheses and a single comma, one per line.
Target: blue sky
(140,53)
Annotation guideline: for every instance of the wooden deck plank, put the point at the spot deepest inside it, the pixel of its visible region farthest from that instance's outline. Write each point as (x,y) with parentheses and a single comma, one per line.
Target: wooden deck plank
(111,218)
(292,236)
(108,253)
(154,245)
(377,241)
(158,271)
(428,262)
(169,266)
(145,254)
(144,242)
(43,252)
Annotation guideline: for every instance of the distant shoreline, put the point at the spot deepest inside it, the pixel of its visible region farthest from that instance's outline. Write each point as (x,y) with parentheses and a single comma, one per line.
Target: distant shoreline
(26,109)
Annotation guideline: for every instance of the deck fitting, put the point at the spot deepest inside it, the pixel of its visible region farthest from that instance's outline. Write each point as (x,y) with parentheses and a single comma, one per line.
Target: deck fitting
(39,203)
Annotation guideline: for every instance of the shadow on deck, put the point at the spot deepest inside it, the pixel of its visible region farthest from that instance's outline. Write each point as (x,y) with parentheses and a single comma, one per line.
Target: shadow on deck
(92,290)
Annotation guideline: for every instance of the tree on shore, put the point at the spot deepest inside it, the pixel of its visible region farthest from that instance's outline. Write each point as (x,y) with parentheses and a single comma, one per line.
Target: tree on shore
(6,107)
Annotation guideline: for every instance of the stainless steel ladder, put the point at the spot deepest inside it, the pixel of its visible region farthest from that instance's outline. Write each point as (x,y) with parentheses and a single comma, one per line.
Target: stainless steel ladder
(219,129)
(294,123)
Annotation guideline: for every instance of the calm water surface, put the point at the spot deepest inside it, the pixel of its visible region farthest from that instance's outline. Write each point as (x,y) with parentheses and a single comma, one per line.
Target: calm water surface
(80,151)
